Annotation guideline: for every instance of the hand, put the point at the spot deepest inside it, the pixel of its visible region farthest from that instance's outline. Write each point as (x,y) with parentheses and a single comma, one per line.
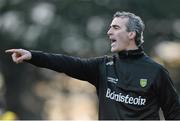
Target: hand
(19,55)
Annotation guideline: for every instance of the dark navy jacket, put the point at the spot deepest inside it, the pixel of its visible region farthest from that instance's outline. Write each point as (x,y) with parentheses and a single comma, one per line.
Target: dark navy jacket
(129,85)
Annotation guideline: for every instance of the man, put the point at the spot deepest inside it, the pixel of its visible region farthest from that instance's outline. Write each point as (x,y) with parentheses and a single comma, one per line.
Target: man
(129,84)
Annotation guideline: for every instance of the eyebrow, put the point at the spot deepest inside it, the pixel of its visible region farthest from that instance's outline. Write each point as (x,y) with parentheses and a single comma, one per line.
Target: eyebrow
(115,26)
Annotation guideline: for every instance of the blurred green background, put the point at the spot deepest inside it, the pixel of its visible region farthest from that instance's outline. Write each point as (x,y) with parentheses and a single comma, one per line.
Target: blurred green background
(78,28)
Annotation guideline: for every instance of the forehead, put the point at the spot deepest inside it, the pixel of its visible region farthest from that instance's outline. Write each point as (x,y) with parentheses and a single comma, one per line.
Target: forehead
(119,21)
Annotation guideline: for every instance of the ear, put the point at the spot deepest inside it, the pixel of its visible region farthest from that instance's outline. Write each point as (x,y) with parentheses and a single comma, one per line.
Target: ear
(132,35)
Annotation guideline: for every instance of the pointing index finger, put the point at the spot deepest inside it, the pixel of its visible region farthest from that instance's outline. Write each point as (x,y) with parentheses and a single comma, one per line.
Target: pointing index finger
(12,50)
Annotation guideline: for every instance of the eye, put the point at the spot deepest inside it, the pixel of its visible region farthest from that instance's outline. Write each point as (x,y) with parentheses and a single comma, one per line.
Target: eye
(116,27)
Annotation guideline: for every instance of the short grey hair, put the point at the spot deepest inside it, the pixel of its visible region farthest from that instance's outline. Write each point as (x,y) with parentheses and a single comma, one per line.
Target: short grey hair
(135,24)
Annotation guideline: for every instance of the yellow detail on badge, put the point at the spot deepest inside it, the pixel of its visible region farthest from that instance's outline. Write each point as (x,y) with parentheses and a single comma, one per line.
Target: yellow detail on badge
(143,82)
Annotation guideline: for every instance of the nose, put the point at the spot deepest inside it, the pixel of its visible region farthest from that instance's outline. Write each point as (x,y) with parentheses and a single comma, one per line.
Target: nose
(109,32)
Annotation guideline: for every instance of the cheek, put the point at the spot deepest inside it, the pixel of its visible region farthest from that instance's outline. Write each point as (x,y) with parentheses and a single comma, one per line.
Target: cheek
(122,39)
(122,35)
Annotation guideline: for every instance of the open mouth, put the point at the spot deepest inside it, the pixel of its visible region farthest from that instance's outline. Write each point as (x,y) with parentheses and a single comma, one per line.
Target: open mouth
(113,40)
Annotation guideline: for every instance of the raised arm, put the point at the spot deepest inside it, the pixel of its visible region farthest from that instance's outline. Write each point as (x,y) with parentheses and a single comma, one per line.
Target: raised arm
(83,69)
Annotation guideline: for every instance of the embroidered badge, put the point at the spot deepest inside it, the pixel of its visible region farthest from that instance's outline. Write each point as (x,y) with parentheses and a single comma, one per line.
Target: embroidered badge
(143,82)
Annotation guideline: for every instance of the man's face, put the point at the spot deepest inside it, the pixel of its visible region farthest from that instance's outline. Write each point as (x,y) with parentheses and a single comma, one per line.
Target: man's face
(118,34)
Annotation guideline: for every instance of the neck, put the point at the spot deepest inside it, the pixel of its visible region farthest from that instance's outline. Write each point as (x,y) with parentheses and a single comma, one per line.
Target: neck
(132,46)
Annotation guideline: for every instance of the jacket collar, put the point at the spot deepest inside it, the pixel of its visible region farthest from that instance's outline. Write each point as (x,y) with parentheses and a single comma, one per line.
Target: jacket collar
(131,54)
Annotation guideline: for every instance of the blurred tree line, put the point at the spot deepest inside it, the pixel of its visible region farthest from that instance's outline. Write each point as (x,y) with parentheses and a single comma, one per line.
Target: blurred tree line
(75,27)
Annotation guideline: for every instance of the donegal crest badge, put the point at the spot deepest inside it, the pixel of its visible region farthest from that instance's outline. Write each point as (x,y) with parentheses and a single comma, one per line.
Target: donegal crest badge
(143,82)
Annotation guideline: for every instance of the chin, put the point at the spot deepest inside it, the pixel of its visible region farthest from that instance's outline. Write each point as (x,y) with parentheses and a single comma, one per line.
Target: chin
(113,50)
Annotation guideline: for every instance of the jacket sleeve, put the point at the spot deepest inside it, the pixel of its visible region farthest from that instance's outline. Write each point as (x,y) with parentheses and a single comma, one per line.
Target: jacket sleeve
(167,96)
(83,69)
